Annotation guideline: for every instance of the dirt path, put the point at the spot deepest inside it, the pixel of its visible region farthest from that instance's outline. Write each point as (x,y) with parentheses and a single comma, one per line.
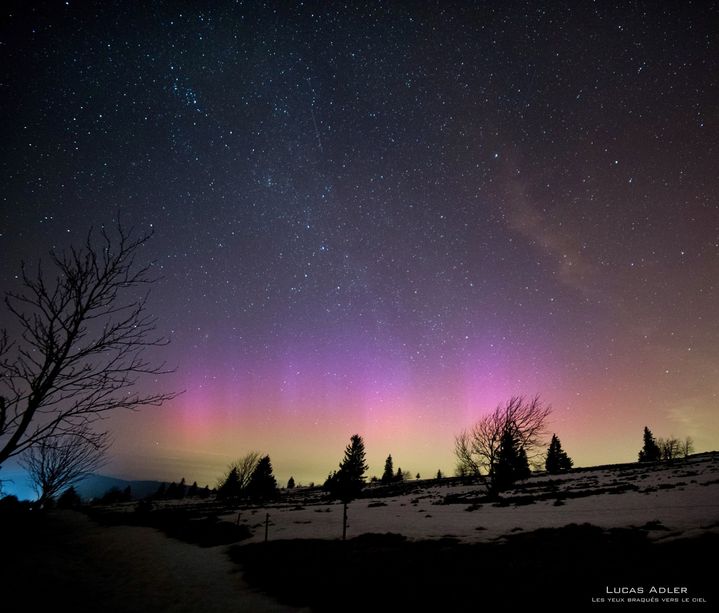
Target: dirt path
(68,559)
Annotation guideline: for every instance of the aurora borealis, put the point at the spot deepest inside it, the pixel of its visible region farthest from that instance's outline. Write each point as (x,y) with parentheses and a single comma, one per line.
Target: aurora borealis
(384,218)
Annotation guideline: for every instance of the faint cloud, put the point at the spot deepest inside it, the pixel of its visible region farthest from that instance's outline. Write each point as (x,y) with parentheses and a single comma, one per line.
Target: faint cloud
(683,417)
(555,239)
(691,420)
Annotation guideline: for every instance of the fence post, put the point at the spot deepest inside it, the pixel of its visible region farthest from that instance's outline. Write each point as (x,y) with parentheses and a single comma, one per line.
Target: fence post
(344,522)
(267,525)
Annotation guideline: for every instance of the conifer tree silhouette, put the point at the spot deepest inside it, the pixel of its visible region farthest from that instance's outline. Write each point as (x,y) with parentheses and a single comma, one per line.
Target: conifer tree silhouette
(388,474)
(557,459)
(262,485)
(650,452)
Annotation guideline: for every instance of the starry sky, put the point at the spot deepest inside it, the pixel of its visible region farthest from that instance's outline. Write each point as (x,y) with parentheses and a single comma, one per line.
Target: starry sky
(384,217)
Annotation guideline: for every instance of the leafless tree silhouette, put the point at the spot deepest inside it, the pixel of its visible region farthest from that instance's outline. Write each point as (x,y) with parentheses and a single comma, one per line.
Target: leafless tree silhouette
(234,482)
(58,462)
(669,448)
(477,448)
(82,335)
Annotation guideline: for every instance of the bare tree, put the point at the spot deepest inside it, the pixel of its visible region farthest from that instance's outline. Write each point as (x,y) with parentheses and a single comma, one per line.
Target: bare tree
(246,466)
(670,448)
(467,458)
(477,448)
(235,480)
(687,447)
(83,332)
(58,462)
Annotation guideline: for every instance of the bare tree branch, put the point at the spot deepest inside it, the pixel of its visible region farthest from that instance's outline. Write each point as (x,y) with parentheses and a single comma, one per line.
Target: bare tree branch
(235,481)
(477,448)
(672,448)
(83,338)
(58,462)
(467,465)
(244,466)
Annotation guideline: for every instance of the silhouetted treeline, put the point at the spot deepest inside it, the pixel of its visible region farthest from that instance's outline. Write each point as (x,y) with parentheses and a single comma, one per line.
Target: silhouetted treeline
(178,491)
(69,499)
(115,495)
(666,449)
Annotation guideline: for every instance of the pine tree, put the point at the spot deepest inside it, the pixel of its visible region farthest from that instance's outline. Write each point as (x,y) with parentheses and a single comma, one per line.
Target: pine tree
(388,474)
(417,476)
(231,486)
(348,481)
(650,452)
(439,474)
(331,482)
(291,483)
(262,485)
(521,469)
(399,476)
(511,464)
(557,459)
(193,490)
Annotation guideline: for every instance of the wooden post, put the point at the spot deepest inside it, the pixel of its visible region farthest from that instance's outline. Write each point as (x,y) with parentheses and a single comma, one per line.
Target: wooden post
(237,523)
(344,522)
(267,525)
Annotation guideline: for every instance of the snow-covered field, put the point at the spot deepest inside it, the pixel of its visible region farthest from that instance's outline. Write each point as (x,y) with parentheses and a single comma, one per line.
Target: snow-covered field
(120,567)
(668,500)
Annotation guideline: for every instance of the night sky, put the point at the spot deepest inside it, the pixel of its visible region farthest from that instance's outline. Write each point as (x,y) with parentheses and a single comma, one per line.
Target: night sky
(384,218)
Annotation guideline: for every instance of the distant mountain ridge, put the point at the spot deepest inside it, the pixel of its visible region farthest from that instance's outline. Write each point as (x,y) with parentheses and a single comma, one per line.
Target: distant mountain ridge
(94,486)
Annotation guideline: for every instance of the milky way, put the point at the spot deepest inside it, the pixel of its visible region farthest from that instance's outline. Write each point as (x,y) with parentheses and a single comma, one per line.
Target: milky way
(385,218)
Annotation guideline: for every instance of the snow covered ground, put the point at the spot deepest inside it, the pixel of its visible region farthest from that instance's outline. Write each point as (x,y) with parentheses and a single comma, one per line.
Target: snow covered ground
(69,562)
(136,568)
(667,500)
